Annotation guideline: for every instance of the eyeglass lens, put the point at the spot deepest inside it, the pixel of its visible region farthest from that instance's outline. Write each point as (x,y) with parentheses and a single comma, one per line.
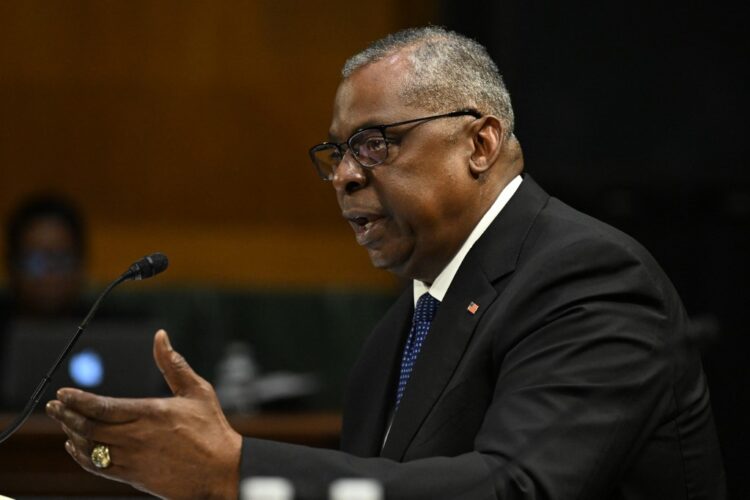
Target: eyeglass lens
(368,146)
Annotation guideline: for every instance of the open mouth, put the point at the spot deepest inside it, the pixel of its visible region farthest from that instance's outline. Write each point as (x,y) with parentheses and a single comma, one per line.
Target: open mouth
(361,223)
(365,227)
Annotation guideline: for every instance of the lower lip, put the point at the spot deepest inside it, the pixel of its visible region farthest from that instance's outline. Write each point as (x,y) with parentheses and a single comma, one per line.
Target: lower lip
(368,233)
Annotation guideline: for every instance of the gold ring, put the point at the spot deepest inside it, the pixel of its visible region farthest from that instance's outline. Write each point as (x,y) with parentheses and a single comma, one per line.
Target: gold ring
(100,456)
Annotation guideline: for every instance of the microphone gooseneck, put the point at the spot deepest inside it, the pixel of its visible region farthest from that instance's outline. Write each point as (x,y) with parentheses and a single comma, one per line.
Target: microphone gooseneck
(146,267)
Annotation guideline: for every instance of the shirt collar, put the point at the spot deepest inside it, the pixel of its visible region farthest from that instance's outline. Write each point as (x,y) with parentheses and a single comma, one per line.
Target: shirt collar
(439,287)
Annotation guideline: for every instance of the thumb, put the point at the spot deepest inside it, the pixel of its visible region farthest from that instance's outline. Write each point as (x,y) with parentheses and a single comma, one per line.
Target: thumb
(182,380)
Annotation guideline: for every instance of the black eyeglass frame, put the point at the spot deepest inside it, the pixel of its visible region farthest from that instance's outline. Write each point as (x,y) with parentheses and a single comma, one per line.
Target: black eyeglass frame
(381,128)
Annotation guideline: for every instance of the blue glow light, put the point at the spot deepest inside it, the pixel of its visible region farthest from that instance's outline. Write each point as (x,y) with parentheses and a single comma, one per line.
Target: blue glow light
(86,368)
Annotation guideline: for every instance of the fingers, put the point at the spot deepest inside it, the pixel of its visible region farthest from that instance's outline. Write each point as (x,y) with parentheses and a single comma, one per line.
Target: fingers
(71,421)
(84,434)
(81,455)
(78,442)
(101,408)
(85,428)
(182,380)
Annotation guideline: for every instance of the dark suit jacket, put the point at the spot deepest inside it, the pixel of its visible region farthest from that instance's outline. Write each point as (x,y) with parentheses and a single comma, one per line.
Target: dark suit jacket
(573,380)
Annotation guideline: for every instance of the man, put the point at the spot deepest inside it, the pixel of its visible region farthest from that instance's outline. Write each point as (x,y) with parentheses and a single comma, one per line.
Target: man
(547,360)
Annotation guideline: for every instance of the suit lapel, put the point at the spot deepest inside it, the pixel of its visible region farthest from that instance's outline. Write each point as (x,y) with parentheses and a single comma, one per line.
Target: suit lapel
(441,352)
(370,394)
(494,255)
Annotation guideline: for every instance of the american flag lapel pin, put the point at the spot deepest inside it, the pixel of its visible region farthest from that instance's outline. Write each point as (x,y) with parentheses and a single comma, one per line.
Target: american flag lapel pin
(473,307)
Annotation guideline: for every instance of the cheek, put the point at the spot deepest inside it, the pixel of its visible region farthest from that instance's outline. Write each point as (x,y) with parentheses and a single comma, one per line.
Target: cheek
(424,197)
(411,193)
(412,211)
(426,207)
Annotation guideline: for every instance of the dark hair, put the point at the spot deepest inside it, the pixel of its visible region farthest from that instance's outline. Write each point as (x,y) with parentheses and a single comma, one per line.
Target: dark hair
(43,206)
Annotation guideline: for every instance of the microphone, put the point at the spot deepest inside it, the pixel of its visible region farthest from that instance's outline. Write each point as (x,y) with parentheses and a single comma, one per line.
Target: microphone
(148,266)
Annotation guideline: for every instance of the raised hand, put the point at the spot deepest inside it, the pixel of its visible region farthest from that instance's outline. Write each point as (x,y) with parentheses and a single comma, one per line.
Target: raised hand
(176,447)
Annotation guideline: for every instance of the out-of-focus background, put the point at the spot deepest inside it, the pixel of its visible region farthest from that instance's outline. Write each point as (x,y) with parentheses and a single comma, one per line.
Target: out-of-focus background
(183,126)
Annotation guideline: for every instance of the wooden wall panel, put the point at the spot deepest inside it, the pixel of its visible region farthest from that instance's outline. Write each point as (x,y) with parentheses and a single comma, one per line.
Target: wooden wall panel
(184,126)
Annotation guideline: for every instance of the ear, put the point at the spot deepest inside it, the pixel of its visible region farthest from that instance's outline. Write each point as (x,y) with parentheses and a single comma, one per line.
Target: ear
(488,139)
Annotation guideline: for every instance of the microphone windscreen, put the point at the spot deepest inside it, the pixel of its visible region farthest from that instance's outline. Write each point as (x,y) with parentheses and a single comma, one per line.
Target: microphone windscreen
(149,266)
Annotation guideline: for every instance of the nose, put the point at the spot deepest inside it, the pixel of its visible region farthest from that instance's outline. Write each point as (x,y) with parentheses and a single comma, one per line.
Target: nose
(349,176)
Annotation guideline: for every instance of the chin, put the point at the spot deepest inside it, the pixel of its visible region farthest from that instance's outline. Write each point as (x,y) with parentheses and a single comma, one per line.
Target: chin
(399,269)
(396,258)
(380,261)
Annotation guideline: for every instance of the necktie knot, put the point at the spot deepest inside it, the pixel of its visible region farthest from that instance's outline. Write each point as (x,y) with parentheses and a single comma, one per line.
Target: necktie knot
(425,309)
(424,312)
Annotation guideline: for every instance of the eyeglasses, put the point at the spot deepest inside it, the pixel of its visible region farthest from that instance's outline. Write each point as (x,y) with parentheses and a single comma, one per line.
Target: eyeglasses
(368,146)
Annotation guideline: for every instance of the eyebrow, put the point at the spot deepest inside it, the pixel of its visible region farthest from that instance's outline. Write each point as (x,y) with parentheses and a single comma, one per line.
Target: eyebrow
(364,126)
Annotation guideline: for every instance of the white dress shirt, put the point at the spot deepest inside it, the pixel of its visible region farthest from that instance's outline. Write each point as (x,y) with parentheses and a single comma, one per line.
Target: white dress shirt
(440,286)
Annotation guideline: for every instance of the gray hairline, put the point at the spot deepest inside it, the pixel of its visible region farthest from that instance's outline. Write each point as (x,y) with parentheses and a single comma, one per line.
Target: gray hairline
(434,51)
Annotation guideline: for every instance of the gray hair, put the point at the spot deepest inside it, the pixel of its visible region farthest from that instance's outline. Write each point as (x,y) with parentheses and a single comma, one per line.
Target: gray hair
(448,69)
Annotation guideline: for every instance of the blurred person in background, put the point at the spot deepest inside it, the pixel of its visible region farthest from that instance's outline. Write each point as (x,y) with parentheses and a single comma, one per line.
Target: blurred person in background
(45,252)
(44,263)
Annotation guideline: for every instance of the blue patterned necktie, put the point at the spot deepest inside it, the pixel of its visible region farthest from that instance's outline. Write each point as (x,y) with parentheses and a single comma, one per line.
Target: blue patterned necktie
(420,326)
